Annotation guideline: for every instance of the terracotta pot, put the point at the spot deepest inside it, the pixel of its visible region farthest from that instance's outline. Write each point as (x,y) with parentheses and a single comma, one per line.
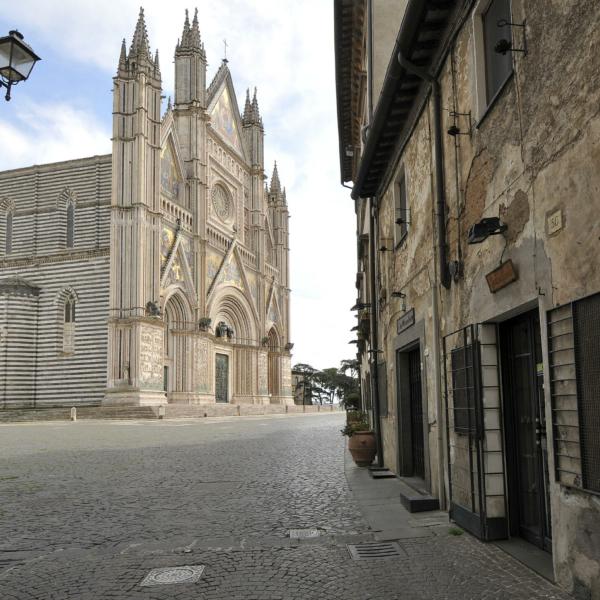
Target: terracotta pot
(362,447)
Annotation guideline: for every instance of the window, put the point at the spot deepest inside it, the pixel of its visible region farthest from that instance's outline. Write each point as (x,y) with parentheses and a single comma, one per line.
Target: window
(498,67)
(463,390)
(400,210)
(70,225)
(586,321)
(8,236)
(69,326)
(492,69)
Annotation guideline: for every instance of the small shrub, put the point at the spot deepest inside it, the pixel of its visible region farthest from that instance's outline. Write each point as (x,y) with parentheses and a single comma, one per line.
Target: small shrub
(455,531)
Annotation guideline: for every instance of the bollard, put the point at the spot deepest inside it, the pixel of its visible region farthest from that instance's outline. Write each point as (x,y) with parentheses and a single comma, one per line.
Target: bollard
(161,411)
(73,414)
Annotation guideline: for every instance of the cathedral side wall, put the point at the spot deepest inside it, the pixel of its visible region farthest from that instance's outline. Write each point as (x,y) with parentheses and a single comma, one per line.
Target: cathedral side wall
(43,359)
(54,376)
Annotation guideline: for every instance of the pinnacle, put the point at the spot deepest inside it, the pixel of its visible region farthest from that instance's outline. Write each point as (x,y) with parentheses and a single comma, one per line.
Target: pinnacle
(123,56)
(275,183)
(140,46)
(255,111)
(247,118)
(190,38)
(156,63)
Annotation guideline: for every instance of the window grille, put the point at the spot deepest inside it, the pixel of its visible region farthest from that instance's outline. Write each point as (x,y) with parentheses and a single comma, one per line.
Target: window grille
(573,347)
(463,389)
(382,389)
(586,320)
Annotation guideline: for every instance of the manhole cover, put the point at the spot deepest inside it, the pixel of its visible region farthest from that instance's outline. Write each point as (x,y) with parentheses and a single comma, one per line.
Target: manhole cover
(370,550)
(298,534)
(171,575)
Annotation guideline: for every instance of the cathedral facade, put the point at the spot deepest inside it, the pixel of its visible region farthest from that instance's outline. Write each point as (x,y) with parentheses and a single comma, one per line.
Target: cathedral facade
(159,273)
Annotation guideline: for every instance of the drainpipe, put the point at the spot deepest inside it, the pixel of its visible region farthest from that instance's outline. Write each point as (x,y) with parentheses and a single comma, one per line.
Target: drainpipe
(444,272)
(374,332)
(440,195)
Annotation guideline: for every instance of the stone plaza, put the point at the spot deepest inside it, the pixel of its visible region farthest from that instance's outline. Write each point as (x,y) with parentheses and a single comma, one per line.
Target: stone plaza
(91,509)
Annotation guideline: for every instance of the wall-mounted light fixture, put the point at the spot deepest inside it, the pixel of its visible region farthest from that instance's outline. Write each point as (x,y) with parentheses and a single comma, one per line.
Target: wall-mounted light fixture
(454,129)
(353,342)
(504,45)
(402,296)
(355,328)
(479,232)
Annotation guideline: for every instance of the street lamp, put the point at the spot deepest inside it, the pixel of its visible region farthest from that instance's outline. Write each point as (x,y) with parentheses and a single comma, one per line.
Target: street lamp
(16,60)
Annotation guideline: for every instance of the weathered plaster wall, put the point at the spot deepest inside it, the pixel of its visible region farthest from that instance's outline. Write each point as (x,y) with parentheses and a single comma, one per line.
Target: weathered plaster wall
(535,152)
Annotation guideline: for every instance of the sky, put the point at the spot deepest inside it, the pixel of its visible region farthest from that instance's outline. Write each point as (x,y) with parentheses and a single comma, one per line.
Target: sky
(283,47)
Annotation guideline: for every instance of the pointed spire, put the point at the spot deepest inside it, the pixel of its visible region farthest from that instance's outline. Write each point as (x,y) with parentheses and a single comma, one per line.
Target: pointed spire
(195,33)
(123,56)
(140,46)
(169,105)
(275,184)
(247,118)
(255,110)
(156,65)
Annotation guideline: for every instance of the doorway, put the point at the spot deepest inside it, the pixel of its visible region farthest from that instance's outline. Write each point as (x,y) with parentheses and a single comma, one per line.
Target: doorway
(525,430)
(416,413)
(221,378)
(411,425)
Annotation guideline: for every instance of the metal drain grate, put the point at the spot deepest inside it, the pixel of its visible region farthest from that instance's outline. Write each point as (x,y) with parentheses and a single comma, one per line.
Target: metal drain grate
(171,575)
(370,550)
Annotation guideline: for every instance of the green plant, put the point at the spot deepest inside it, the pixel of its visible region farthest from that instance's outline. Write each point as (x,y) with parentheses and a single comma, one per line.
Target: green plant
(455,531)
(359,422)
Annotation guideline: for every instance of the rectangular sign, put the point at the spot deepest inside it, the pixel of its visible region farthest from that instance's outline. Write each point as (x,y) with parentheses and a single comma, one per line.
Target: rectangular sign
(405,321)
(502,276)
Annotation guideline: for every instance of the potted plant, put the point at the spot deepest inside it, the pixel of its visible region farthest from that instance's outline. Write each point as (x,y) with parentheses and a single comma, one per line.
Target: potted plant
(361,440)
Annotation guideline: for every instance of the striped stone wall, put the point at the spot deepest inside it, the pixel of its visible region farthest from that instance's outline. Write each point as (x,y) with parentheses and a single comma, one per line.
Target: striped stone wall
(35,369)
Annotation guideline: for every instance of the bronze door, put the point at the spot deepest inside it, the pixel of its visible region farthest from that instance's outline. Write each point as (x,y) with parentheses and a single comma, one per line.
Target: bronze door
(221,378)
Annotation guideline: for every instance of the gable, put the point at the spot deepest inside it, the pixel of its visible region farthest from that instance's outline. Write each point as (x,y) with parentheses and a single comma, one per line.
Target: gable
(225,120)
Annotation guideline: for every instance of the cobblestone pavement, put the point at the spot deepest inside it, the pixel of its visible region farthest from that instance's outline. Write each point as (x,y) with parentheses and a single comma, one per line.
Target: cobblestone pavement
(88,509)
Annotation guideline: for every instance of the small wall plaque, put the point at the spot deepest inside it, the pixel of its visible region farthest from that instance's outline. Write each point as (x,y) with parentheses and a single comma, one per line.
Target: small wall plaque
(405,321)
(504,275)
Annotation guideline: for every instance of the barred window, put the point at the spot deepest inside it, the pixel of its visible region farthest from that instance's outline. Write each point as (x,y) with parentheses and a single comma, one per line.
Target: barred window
(463,389)
(498,66)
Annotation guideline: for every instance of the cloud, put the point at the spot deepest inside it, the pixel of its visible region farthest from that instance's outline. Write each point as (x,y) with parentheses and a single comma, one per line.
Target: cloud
(283,48)
(41,133)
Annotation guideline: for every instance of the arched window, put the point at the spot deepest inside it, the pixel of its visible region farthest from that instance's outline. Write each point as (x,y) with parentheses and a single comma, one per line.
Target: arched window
(8,235)
(70,225)
(69,326)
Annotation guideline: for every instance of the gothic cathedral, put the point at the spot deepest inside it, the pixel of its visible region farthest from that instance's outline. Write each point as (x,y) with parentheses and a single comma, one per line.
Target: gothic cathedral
(159,273)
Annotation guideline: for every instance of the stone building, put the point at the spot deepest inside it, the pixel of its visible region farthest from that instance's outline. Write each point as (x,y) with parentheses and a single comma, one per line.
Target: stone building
(469,131)
(159,273)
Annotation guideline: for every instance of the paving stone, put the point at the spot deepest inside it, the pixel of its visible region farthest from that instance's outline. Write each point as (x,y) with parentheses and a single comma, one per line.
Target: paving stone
(88,510)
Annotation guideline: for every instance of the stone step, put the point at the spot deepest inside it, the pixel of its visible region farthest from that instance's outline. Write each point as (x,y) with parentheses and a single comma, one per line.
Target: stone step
(416,499)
